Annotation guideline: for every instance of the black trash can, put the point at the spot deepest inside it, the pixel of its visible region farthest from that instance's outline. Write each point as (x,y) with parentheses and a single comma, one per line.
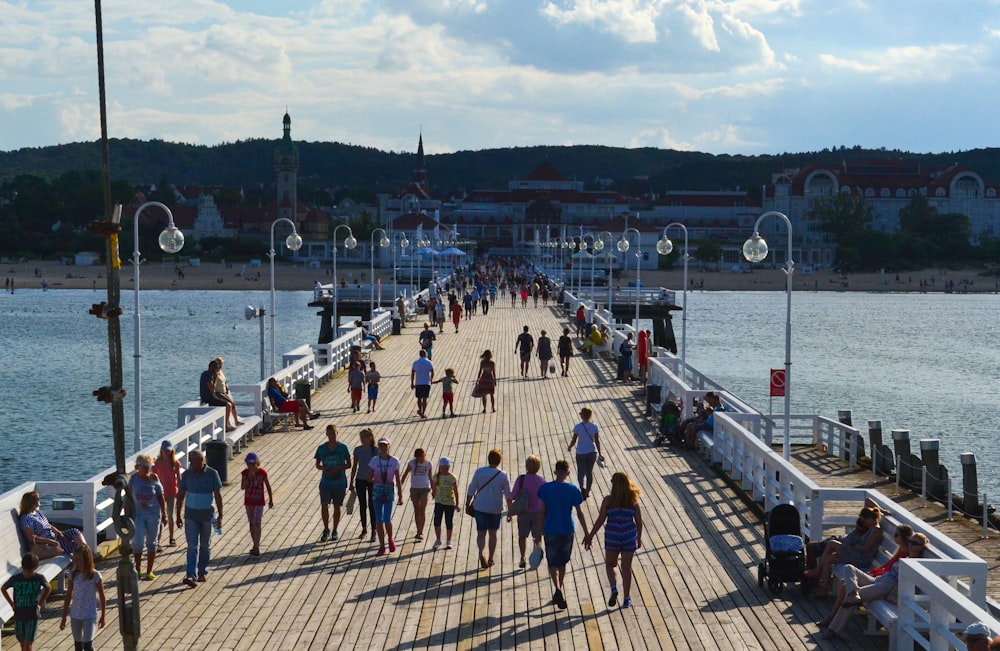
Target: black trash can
(397,326)
(303,391)
(215,457)
(653,394)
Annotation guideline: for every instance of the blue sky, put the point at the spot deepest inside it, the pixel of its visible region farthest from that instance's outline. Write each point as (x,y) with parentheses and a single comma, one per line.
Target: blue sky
(721,76)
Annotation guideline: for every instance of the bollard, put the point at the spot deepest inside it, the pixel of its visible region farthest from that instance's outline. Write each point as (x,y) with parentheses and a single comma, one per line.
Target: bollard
(930,458)
(899,464)
(923,486)
(884,465)
(951,504)
(970,483)
(986,517)
(901,450)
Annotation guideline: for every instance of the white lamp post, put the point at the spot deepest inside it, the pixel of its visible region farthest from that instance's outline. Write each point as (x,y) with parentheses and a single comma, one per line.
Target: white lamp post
(593,245)
(605,238)
(382,243)
(623,247)
(755,250)
(171,241)
(666,247)
(349,243)
(293,242)
(420,244)
(403,243)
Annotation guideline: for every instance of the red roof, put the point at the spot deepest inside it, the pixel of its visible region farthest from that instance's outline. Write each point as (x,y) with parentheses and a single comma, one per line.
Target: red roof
(546,172)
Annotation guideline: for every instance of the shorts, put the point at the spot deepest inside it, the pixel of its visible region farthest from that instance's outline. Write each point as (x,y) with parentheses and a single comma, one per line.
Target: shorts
(383,497)
(333,496)
(216,402)
(373,392)
(255,513)
(448,398)
(419,494)
(289,407)
(25,630)
(525,357)
(558,549)
(528,524)
(356,395)
(487,521)
(422,390)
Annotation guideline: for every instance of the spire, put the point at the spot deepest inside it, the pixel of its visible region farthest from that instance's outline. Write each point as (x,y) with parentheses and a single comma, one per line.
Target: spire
(420,172)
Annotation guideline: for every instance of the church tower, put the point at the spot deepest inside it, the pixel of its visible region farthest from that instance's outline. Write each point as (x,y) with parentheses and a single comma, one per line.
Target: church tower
(286,164)
(420,173)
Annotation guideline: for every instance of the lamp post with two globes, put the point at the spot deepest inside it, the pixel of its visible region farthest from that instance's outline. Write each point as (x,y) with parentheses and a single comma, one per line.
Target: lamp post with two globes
(349,243)
(623,247)
(382,243)
(293,242)
(755,250)
(171,240)
(666,247)
(403,243)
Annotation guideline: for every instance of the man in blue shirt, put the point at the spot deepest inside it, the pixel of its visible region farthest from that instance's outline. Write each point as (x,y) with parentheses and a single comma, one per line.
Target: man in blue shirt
(199,485)
(333,459)
(558,499)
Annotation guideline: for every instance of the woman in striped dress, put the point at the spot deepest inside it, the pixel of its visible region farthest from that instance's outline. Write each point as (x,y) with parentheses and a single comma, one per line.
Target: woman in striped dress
(622,535)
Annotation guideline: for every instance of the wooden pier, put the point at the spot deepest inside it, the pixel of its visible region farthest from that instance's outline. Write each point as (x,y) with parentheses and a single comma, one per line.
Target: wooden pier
(695,575)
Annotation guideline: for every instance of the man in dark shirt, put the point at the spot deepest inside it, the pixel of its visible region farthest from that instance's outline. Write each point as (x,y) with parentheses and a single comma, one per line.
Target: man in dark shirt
(209,395)
(525,344)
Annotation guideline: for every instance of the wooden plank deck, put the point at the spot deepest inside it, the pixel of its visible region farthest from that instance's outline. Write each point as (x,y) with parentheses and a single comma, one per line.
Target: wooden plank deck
(834,473)
(695,576)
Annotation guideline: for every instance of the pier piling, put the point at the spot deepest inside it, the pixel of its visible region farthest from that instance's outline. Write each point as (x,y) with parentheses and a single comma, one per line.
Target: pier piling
(970,485)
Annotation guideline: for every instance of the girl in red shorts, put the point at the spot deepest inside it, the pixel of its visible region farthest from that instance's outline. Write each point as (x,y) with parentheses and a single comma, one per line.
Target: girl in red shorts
(253,483)
(448,383)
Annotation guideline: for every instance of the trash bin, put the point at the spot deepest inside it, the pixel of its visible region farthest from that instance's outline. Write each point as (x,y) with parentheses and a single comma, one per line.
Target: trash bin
(215,457)
(653,394)
(303,391)
(397,326)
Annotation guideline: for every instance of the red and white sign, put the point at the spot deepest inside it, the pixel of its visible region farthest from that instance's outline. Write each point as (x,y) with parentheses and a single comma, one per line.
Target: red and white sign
(777,382)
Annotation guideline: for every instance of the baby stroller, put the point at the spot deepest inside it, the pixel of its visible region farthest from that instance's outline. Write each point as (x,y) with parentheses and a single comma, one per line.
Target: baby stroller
(670,420)
(785,553)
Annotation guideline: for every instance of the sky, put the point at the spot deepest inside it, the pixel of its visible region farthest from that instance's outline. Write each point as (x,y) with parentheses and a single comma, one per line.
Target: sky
(717,76)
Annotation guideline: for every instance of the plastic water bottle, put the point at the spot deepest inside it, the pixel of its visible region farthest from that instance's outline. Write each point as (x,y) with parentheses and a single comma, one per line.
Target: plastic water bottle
(216,527)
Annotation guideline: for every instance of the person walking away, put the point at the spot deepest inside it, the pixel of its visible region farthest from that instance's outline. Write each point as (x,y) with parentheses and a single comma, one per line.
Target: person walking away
(625,352)
(559,498)
(333,459)
(150,513)
(456,314)
(565,347)
(440,310)
(586,438)
(363,454)
(168,471)
(26,592)
(448,383)
(383,472)
(623,535)
(544,354)
(444,490)
(485,497)
(199,485)
(524,344)
(400,309)
(529,522)
(84,595)
(420,487)
(372,378)
(421,376)
(254,482)
(581,321)
(486,381)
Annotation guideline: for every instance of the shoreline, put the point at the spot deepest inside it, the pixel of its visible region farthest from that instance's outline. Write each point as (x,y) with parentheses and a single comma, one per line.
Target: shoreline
(299,277)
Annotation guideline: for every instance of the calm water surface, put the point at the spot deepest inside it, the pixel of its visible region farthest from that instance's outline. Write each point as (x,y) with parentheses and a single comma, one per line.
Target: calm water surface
(913,361)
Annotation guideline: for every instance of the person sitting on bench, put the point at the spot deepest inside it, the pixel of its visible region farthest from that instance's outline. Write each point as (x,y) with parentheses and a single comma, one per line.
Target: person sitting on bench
(286,405)
(703,420)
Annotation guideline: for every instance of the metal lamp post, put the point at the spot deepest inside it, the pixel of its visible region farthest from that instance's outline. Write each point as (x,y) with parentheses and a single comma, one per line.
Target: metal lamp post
(605,238)
(171,241)
(349,243)
(382,243)
(755,250)
(593,245)
(420,244)
(403,243)
(293,242)
(623,247)
(666,247)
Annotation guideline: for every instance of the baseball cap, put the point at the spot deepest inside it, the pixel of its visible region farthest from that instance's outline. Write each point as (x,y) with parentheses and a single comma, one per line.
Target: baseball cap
(251,457)
(978,628)
(166,445)
(384,440)
(143,461)
(444,461)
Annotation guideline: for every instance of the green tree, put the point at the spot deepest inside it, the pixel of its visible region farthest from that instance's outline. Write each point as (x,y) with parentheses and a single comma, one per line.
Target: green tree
(845,217)
(709,252)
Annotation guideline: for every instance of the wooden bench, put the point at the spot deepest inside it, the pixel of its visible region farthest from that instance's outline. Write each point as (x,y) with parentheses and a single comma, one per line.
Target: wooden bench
(12,549)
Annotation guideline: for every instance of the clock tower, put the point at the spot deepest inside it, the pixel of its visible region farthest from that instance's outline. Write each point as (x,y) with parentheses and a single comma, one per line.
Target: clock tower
(286,164)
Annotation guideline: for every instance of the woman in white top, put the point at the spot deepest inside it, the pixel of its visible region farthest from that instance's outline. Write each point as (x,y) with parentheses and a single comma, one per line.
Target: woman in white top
(588,449)
(485,499)
(420,487)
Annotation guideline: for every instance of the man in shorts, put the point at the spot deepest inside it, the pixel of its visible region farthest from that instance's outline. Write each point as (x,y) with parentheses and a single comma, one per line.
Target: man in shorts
(558,499)
(421,376)
(333,459)
(524,345)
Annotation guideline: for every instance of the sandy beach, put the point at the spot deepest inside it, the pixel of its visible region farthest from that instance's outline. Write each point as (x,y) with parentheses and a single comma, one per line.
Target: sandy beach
(218,276)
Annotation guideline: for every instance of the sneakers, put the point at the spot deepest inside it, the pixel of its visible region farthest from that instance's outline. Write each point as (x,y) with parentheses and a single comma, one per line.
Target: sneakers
(307,427)
(522,564)
(627,603)
(364,532)
(334,536)
(437,544)
(150,576)
(325,536)
(392,545)
(380,552)
(448,546)
(559,600)
(614,597)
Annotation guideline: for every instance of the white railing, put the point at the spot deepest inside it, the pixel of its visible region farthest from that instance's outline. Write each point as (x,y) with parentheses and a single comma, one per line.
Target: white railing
(930,614)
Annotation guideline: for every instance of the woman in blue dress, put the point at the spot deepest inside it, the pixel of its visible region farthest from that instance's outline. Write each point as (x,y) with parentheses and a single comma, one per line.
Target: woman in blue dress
(622,535)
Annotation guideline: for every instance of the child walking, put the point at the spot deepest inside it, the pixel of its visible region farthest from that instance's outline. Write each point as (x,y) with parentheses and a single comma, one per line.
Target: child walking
(420,487)
(372,378)
(355,383)
(254,483)
(623,535)
(30,592)
(168,470)
(444,488)
(84,593)
(448,383)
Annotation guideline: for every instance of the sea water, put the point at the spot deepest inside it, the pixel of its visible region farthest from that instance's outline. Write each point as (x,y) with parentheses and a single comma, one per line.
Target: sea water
(923,362)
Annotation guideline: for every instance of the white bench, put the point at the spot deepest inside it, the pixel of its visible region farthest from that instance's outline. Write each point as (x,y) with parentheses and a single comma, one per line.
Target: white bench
(240,436)
(12,549)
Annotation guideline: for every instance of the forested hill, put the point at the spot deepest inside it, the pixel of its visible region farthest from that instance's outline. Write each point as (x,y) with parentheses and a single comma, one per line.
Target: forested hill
(332,165)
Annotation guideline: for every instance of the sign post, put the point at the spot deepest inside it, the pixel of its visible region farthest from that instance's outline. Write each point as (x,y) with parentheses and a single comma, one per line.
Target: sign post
(777,388)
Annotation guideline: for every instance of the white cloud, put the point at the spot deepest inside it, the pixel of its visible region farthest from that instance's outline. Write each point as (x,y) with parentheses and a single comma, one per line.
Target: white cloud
(911,64)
